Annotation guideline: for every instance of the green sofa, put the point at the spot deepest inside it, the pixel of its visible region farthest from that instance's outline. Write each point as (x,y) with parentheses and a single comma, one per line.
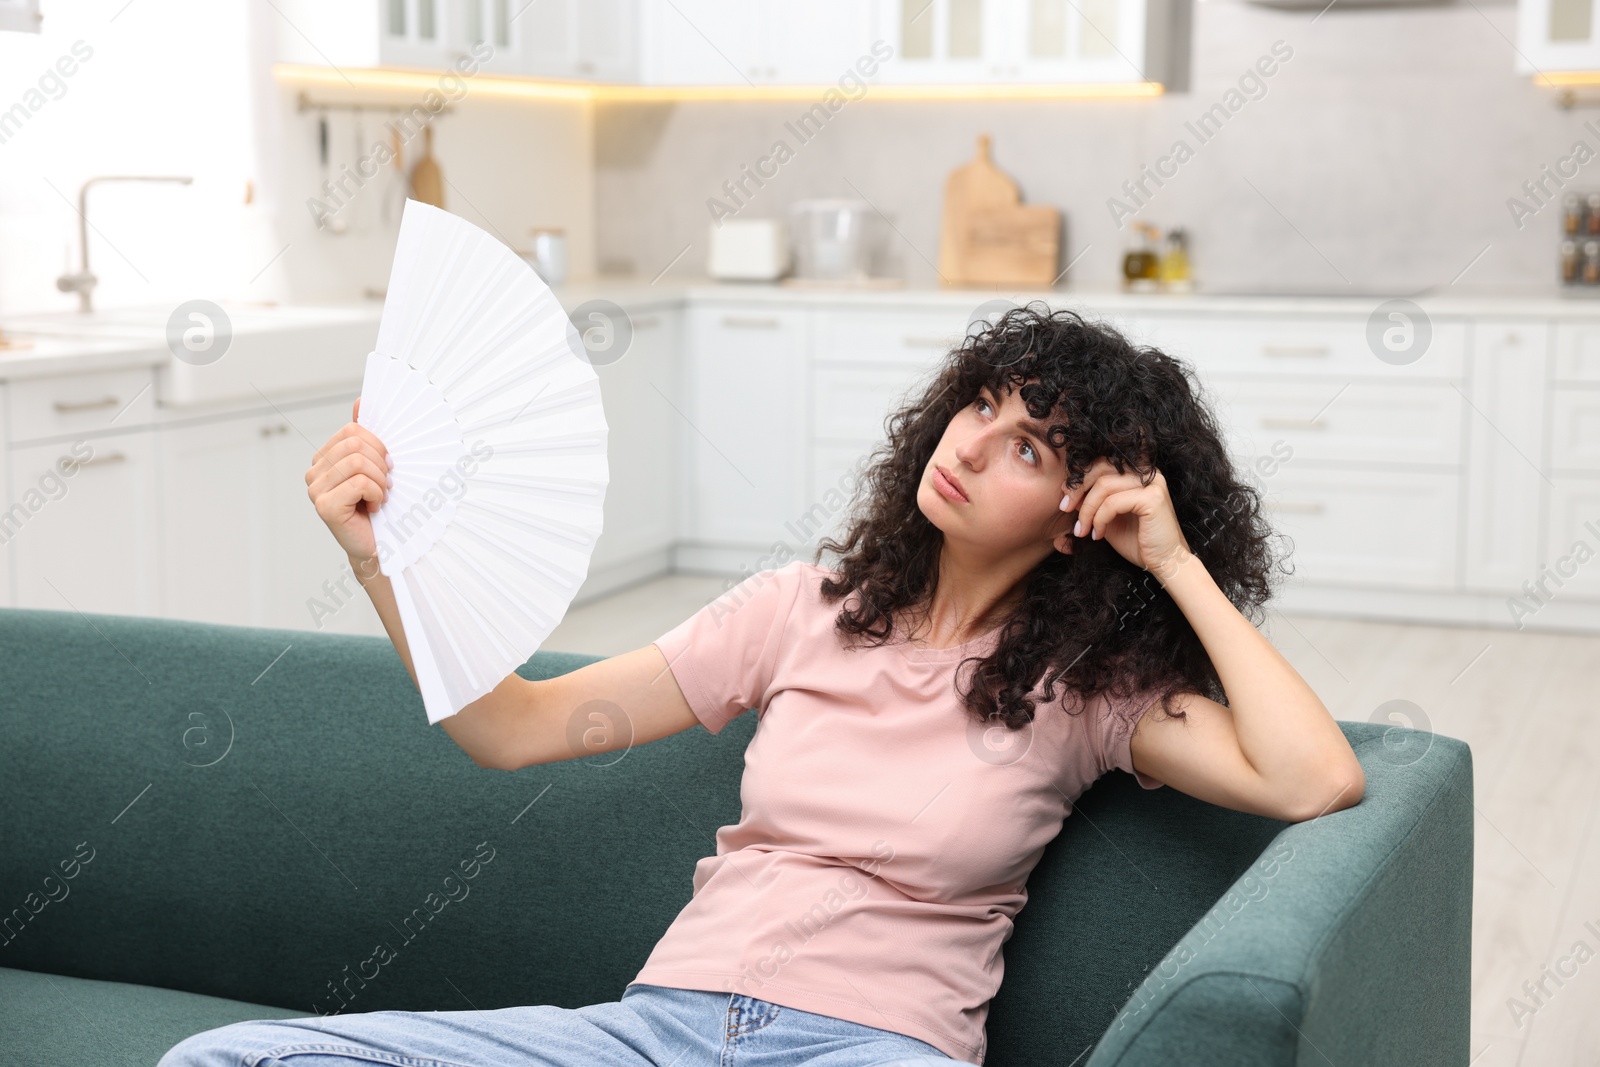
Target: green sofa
(205,824)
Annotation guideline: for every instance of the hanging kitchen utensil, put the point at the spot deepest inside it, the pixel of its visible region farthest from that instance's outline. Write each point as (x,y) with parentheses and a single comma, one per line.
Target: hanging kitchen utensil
(482,393)
(334,223)
(394,191)
(427,184)
(356,206)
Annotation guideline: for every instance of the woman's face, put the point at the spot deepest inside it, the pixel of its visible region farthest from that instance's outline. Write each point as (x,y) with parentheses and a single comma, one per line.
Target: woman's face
(1011,478)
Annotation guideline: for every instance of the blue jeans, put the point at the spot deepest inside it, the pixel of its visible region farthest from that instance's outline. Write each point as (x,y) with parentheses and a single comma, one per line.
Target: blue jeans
(651,1026)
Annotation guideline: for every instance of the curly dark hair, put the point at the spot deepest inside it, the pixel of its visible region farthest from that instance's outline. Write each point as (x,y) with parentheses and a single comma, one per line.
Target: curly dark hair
(1089,620)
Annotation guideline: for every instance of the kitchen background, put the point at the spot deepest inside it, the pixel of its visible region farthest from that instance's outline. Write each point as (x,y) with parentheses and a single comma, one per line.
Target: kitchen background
(1382,157)
(1443,506)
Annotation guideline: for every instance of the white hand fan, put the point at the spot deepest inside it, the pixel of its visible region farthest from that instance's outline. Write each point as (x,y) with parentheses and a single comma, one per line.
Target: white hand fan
(481,391)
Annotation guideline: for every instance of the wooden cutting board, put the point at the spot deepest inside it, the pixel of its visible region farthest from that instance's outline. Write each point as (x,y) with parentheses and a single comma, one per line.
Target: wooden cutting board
(988,236)
(427,184)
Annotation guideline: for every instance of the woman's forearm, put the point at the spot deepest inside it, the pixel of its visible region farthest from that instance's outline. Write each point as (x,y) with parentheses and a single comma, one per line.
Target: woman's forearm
(381,593)
(1284,730)
(478,728)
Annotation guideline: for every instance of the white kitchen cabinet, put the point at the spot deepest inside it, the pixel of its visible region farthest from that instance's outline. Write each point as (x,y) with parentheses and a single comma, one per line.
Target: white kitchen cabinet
(426,35)
(498,25)
(1570,567)
(92,403)
(1556,35)
(944,41)
(212,522)
(1382,423)
(754,42)
(836,472)
(852,403)
(421,33)
(744,423)
(814,42)
(1283,347)
(643,403)
(700,42)
(586,40)
(911,336)
(241,540)
(1382,529)
(20,16)
(83,524)
(305,573)
(1035,41)
(1503,438)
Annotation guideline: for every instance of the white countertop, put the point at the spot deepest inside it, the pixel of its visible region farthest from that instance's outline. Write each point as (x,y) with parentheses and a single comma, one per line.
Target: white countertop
(67,342)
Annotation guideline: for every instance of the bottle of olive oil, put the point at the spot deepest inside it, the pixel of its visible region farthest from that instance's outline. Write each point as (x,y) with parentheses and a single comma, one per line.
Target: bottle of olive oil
(1139,265)
(1173,269)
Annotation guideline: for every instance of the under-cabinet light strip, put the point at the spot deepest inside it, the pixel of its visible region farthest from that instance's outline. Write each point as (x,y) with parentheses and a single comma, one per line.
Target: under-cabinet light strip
(377,78)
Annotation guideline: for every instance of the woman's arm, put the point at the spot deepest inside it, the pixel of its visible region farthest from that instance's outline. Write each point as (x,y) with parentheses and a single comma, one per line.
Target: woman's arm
(347,479)
(1273,749)
(613,703)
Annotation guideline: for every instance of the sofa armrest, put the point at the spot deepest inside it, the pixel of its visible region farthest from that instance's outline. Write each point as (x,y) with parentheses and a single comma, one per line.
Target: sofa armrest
(1347,942)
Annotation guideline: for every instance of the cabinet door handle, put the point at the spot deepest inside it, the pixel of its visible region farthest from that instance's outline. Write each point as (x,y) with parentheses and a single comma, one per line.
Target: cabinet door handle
(64,407)
(271,431)
(1284,422)
(110,457)
(912,341)
(1299,507)
(1317,351)
(745,322)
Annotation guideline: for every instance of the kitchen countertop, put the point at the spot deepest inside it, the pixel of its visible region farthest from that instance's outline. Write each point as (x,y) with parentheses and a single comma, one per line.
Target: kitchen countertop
(67,343)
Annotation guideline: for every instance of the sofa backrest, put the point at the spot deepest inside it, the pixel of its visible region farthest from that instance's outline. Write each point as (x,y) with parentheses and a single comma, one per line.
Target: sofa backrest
(266,815)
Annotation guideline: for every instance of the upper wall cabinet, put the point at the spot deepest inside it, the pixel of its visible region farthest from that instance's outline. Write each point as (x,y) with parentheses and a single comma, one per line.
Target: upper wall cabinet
(586,40)
(757,42)
(1036,41)
(20,15)
(752,42)
(1556,35)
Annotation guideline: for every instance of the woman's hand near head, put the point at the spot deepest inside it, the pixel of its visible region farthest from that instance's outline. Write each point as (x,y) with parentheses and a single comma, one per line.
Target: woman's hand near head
(347,480)
(1135,519)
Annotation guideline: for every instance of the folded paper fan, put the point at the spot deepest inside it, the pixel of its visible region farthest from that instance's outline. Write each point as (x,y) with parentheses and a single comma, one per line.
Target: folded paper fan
(481,392)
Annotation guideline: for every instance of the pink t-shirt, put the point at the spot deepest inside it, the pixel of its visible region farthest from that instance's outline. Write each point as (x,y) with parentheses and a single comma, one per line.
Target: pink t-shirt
(886,837)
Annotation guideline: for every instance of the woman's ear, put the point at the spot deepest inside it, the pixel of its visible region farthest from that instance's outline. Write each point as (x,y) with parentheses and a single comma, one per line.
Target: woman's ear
(1062,541)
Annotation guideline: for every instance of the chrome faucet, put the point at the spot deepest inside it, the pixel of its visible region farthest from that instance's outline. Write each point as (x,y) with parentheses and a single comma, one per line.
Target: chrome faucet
(83,282)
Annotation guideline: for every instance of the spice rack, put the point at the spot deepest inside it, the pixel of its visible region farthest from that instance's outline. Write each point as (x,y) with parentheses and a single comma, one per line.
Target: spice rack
(1580,241)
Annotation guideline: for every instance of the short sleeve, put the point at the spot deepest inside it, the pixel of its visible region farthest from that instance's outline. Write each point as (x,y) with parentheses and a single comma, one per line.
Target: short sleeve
(724,656)
(1112,727)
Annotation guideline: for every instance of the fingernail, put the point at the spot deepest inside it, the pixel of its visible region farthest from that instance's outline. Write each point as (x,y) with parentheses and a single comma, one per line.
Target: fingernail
(391,481)
(390,458)
(1077,528)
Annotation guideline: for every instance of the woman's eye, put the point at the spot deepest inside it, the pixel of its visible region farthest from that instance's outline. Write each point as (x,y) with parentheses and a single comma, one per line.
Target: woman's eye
(1029,446)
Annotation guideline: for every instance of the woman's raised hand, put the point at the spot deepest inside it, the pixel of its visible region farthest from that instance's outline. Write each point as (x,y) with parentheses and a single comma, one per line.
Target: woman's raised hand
(349,478)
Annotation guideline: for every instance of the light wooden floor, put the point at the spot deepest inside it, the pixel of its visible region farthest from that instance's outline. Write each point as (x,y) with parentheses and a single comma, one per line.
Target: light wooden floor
(1527,704)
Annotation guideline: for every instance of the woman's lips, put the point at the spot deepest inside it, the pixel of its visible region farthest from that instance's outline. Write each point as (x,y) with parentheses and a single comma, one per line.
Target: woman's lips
(947,486)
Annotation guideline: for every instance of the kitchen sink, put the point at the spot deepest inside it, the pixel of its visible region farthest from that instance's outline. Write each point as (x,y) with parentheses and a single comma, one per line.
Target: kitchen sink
(274,350)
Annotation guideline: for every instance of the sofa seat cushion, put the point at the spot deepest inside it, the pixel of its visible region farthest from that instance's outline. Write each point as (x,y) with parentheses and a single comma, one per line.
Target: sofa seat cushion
(55,1021)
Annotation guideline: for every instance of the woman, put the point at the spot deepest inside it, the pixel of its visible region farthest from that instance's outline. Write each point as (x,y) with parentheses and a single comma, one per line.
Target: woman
(1056,510)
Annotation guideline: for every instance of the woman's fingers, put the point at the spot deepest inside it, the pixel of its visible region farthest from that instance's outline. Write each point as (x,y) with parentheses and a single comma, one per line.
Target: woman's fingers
(334,471)
(344,443)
